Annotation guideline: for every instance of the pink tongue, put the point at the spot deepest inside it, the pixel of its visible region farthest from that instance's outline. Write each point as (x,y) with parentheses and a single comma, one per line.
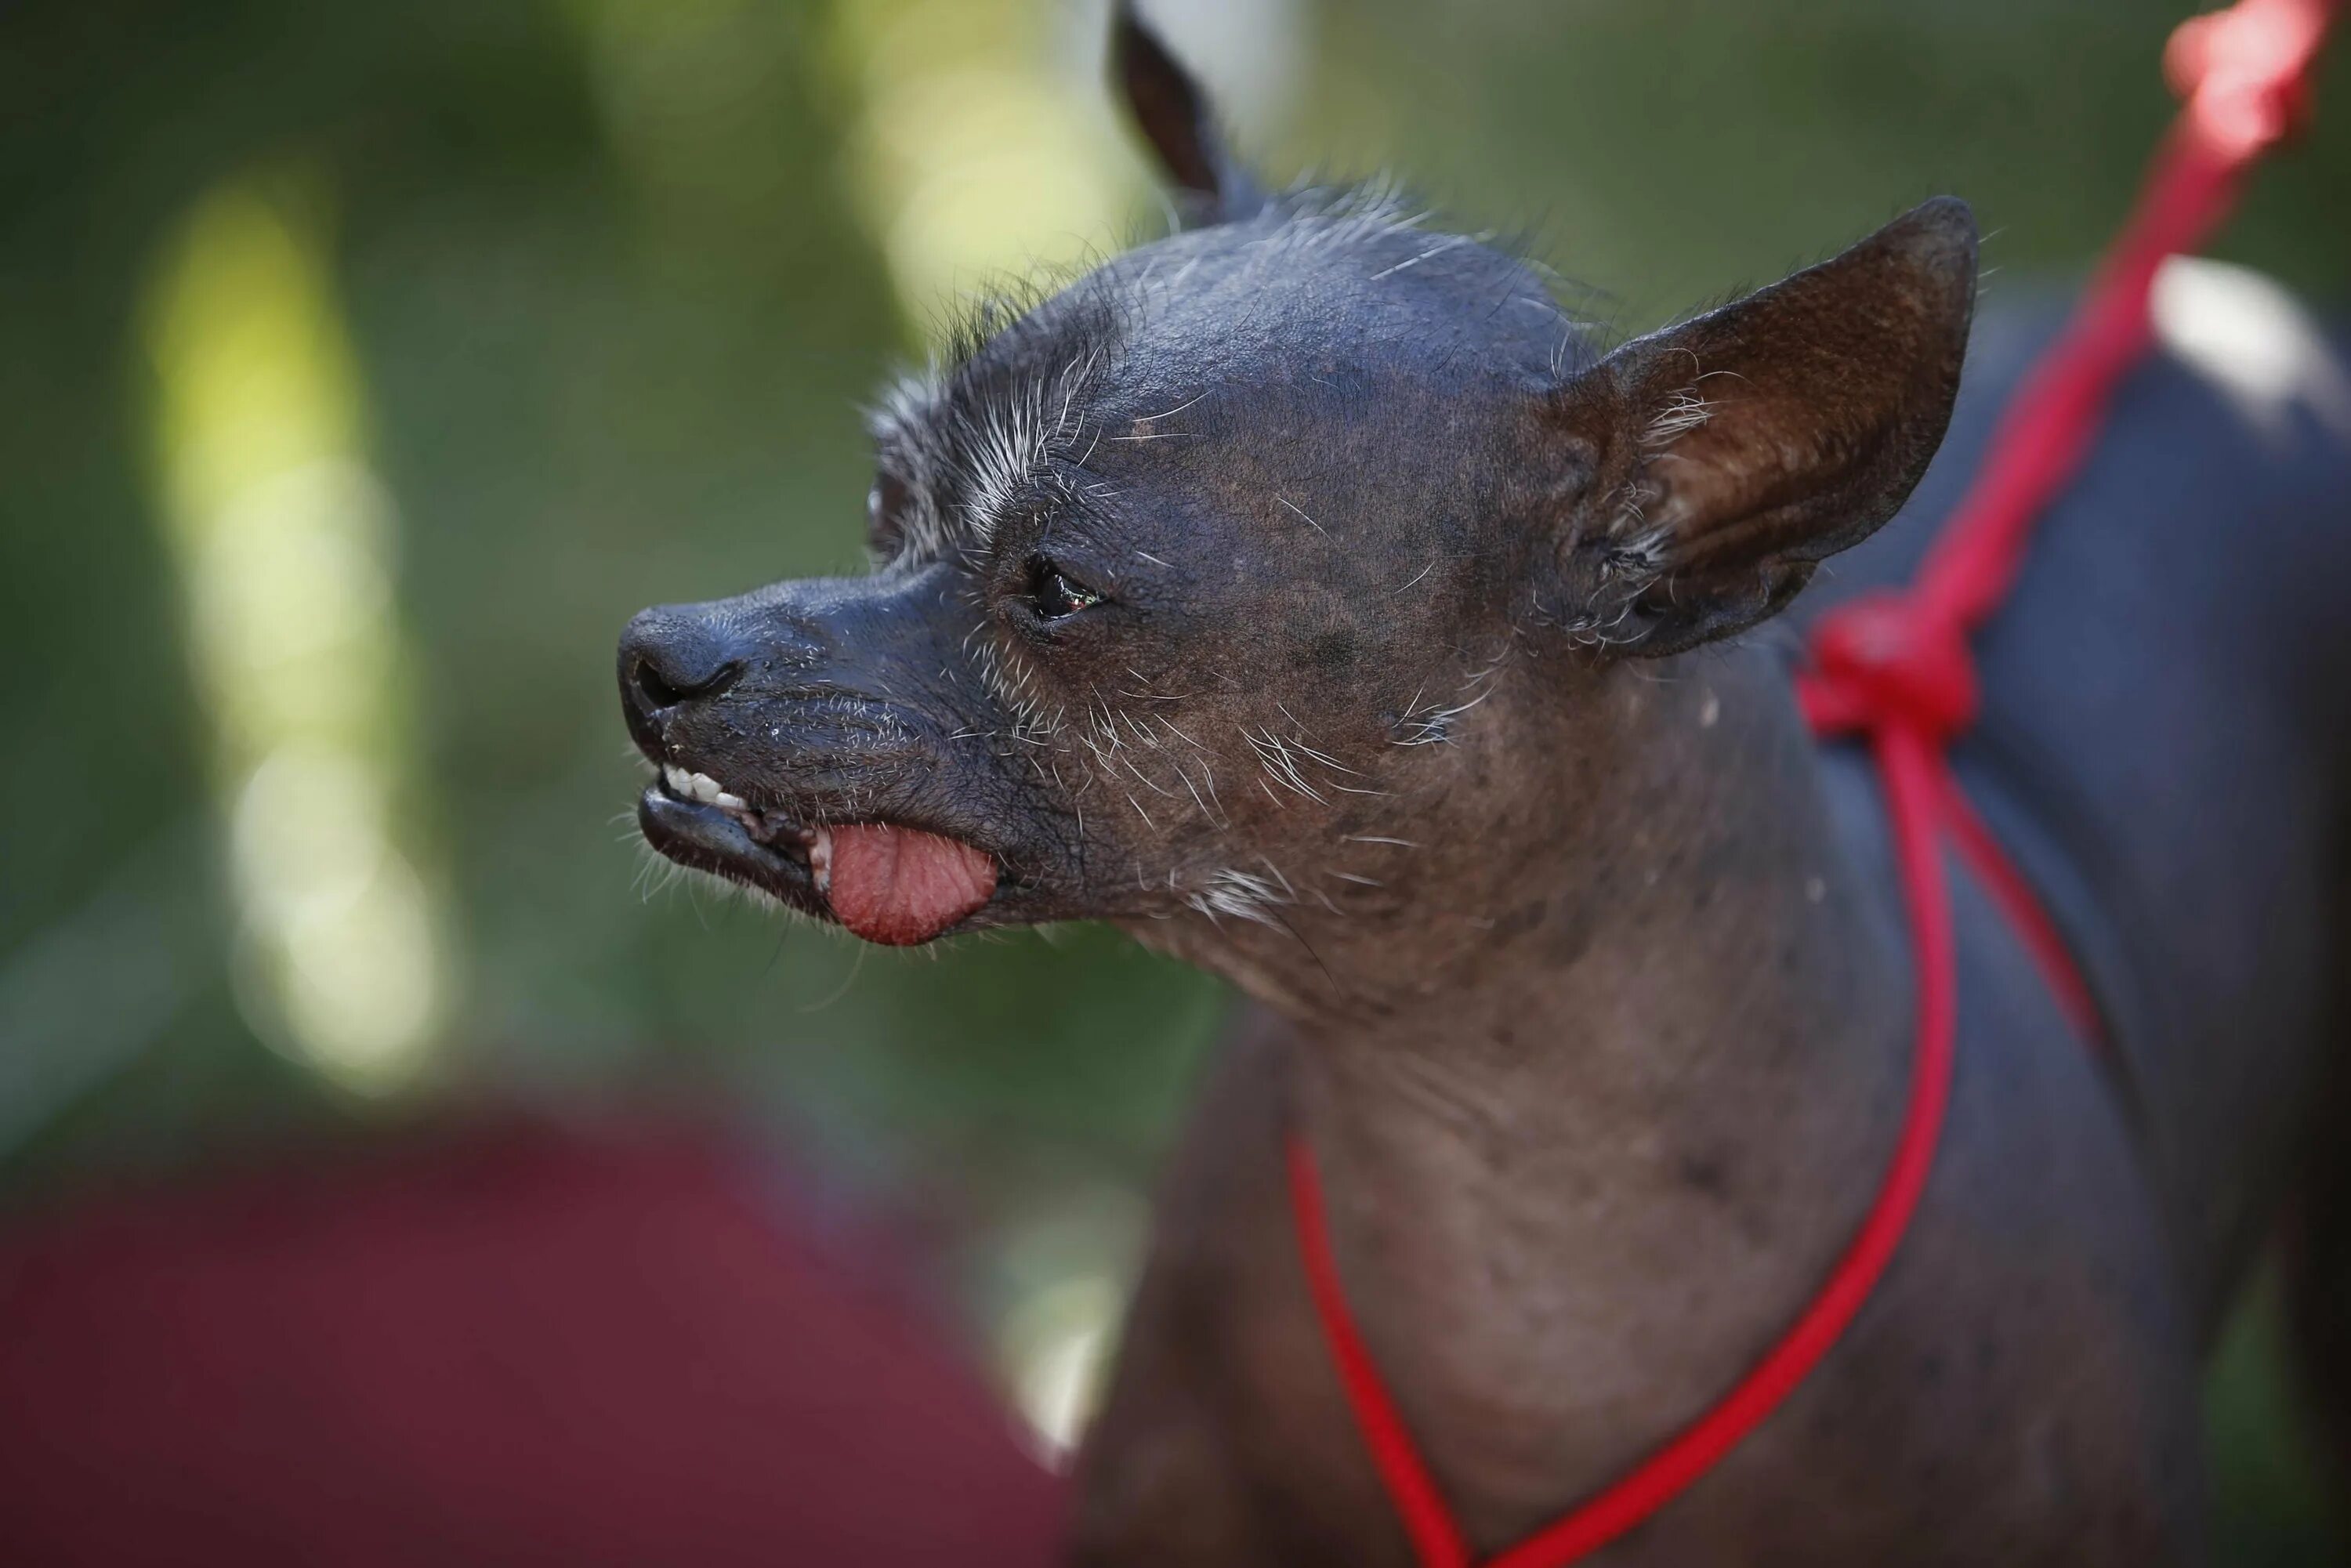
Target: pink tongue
(899,886)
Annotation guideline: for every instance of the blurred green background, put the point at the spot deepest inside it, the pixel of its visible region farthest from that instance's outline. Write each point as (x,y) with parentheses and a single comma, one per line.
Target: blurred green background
(362,367)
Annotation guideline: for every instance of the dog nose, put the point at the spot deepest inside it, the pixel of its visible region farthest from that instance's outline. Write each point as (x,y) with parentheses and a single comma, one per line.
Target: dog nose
(669,657)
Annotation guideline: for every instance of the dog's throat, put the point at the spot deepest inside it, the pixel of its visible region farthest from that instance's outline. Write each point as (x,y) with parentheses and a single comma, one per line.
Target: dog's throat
(900,886)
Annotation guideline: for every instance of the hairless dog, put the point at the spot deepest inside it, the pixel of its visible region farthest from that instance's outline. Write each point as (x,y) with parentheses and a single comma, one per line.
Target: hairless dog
(1309,594)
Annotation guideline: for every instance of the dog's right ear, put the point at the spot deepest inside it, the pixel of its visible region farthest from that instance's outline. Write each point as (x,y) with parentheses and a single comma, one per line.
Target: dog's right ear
(1173,115)
(1723,459)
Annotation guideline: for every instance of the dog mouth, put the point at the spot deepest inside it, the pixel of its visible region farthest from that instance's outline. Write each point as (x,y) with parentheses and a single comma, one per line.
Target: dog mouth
(889,883)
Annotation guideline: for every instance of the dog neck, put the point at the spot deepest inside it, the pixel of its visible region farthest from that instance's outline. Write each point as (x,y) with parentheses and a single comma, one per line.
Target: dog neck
(1590,1152)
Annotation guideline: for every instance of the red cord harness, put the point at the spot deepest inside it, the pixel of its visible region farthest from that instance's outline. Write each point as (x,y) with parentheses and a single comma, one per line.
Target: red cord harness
(1894,668)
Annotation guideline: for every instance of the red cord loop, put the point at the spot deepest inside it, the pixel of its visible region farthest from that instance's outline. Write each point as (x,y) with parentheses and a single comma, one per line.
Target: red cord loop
(1895,668)
(2245,73)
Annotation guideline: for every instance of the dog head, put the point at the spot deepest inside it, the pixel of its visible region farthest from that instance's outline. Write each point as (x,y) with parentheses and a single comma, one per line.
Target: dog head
(1256,573)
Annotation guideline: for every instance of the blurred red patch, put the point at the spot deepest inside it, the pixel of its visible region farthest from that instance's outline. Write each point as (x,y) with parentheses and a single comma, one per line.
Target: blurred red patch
(521,1349)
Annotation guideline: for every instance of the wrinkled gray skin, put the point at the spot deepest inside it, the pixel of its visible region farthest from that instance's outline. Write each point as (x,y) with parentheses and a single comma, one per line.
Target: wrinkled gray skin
(1303,593)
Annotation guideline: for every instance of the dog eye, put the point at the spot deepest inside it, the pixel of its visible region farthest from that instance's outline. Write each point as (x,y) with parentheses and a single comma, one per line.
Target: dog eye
(1053,595)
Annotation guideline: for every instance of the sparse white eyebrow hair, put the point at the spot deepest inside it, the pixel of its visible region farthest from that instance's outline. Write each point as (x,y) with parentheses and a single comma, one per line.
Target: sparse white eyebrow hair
(964,458)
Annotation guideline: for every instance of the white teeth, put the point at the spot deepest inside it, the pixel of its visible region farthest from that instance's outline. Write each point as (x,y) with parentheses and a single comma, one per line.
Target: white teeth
(820,857)
(702,787)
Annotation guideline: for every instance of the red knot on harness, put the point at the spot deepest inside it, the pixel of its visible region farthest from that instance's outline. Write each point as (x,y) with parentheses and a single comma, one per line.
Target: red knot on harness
(1887,659)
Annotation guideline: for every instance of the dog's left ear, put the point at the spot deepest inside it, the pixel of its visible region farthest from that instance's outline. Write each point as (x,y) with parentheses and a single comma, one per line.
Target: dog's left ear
(1173,115)
(1724,458)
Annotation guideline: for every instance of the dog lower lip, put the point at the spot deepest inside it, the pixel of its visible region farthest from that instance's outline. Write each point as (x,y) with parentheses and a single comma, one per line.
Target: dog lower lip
(712,838)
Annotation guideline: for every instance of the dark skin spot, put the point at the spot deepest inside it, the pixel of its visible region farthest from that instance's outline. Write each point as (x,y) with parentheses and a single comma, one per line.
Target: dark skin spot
(1703,1173)
(1572,931)
(1521,920)
(1331,652)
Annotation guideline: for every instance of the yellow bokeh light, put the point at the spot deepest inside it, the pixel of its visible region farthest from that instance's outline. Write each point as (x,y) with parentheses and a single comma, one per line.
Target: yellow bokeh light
(282,536)
(970,155)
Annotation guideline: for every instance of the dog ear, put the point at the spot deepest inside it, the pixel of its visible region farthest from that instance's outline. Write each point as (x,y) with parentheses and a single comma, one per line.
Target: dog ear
(1723,458)
(1173,115)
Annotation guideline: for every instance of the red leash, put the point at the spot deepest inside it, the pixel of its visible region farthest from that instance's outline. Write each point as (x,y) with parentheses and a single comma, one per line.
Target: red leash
(1894,668)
